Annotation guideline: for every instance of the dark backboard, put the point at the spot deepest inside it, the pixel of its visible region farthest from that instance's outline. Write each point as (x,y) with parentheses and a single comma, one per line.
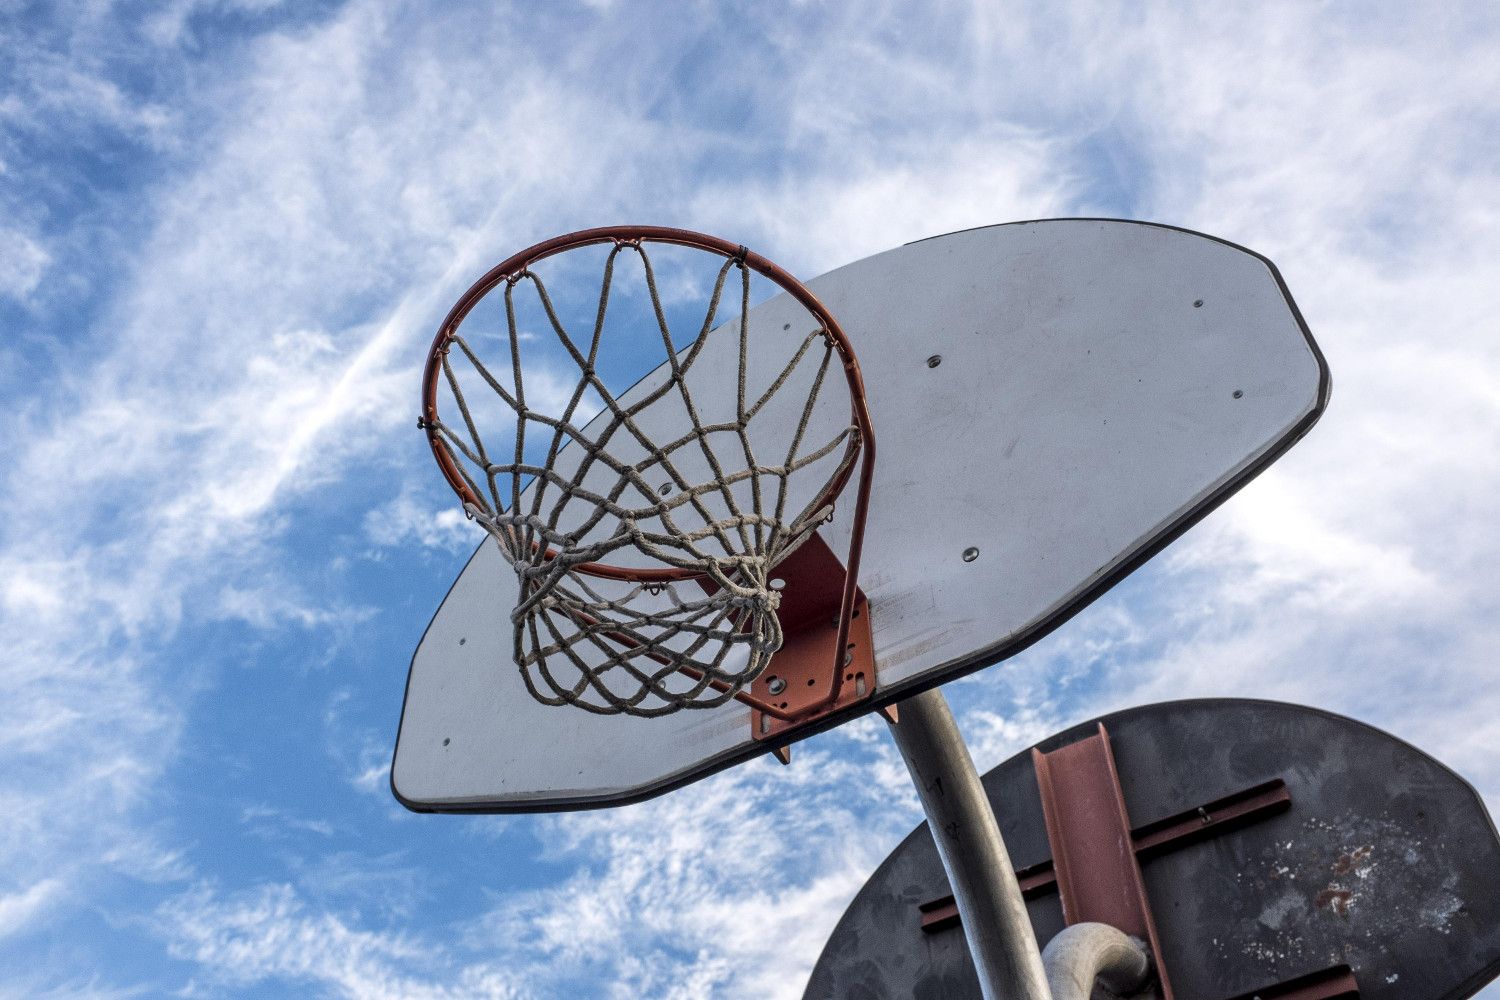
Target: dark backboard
(1370,855)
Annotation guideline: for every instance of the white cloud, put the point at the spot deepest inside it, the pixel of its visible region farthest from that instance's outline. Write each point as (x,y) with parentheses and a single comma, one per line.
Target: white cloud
(19,909)
(22,263)
(66,96)
(144,858)
(271,934)
(726,888)
(374,777)
(821,219)
(26,987)
(264,608)
(170,24)
(269,822)
(402,521)
(1286,551)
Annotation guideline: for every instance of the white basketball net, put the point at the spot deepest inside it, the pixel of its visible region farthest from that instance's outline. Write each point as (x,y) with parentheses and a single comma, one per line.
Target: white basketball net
(682,500)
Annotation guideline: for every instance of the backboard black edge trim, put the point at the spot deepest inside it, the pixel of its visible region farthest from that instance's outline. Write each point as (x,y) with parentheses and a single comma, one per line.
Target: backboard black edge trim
(414,806)
(1015,645)
(1479,980)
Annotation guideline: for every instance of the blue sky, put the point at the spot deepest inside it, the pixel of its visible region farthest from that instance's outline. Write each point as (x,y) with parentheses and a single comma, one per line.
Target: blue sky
(227,231)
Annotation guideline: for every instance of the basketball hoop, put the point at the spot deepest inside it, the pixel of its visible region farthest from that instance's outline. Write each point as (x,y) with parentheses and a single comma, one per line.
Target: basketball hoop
(646,537)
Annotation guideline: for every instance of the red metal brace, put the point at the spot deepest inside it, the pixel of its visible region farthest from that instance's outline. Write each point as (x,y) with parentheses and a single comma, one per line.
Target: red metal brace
(1093,851)
(799,681)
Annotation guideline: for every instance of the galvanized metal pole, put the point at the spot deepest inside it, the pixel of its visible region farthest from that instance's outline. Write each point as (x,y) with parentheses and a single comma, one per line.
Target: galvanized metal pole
(995,923)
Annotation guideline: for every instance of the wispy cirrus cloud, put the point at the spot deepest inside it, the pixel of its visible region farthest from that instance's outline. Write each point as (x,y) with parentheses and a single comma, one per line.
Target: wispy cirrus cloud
(676,895)
(402,520)
(22,263)
(672,898)
(18,909)
(270,933)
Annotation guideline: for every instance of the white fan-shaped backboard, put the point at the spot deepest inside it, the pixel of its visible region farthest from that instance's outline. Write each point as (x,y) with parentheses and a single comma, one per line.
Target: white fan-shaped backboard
(1101,386)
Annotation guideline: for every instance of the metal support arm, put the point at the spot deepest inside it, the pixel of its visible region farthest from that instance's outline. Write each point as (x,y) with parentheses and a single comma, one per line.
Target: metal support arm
(995,923)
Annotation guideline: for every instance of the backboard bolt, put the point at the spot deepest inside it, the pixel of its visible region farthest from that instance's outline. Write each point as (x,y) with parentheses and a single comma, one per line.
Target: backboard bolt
(970,554)
(934,361)
(664,489)
(1239,393)
(1197,303)
(776,685)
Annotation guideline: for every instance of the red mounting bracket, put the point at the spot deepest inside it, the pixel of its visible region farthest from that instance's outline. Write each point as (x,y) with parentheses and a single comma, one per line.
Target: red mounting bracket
(801,679)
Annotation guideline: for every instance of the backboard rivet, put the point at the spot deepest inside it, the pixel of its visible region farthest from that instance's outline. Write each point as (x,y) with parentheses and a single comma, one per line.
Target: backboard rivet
(664,489)
(970,554)
(1197,303)
(776,685)
(447,740)
(462,641)
(1239,393)
(934,361)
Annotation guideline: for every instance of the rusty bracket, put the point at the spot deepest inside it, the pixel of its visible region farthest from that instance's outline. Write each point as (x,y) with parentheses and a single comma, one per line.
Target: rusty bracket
(1212,819)
(1336,983)
(801,679)
(1088,827)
